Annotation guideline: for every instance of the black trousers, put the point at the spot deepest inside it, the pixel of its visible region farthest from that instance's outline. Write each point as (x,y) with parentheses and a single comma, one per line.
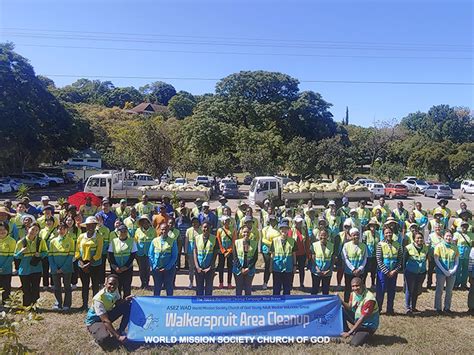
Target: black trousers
(220,268)
(362,335)
(204,283)
(47,279)
(95,276)
(75,274)
(125,282)
(266,273)
(317,281)
(30,285)
(300,261)
(282,280)
(6,286)
(371,267)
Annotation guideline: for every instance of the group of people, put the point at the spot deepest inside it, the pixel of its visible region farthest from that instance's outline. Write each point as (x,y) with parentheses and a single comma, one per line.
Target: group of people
(79,241)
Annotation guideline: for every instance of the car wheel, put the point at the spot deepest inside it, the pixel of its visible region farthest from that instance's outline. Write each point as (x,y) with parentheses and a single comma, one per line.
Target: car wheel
(417,190)
(436,196)
(463,191)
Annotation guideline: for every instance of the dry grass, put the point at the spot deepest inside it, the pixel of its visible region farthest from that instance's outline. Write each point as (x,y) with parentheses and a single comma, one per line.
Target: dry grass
(427,333)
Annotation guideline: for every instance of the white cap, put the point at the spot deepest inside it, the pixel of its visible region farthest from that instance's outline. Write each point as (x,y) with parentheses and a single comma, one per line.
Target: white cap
(205,204)
(353,210)
(89,220)
(348,222)
(298,219)
(331,203)
(353,231)
(224,218)
(266,201)
(44,198)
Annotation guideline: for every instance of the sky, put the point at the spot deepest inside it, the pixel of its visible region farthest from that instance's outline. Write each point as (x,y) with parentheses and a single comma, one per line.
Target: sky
(329,46)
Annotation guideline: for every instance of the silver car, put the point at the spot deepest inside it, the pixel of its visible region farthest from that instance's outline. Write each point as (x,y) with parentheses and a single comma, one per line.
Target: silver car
(439,191)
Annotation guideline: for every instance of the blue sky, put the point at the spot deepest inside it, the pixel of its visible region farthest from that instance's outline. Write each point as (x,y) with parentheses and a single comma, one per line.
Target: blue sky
(414,41)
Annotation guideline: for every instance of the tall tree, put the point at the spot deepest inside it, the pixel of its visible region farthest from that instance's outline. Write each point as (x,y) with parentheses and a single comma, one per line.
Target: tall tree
(158,92)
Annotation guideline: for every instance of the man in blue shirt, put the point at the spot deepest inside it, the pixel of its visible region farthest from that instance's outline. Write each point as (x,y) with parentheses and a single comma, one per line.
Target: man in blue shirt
(107,215)
(168,206)
(30,209)
(207,216)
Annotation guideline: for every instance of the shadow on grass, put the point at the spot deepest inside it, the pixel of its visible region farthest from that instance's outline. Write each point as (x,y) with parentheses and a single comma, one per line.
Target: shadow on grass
(381,339)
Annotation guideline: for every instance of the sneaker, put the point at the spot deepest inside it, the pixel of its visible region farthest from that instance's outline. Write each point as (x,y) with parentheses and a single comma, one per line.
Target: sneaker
(221,286)
(409,312)
(448,311)
(414,310)
(264,286)
(57,308)
(190,286)
(439,312)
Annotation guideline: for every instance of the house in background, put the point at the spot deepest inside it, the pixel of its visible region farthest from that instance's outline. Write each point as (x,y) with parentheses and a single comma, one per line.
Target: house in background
(145,108)
(88,158)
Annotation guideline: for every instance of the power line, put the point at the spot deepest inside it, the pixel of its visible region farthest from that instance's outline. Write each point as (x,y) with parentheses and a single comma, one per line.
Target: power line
(301,81)
(239,53)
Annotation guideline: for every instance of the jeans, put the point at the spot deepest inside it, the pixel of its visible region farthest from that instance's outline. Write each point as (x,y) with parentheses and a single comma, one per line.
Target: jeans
(180,248)
(103,265)
(144,270)
(67,289)
(470,296)
(6,286)
(220,268)
(413,284)
(243,283)
(266,273)
(94,275)
(125,282)
(462,273)
(282,280)
(441,279)
(429,275)
(30,285)
(300,261)
(317,280)
(385,284)
(163,280)
(46,275)
(204,283)
(371,267)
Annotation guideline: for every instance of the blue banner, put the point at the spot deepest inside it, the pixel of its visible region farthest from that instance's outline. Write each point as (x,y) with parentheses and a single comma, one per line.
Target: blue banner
(227,319)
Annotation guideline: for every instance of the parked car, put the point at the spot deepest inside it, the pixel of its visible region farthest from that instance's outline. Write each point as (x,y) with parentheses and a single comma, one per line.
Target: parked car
(416,185)
(439,191)
(467,186)
(230,190)
(365,182)
(203,180)
(145,180)
(223,181)
(248,179)
(5,188)
(377,188)
(30,181)
(14,184)
(396,190)
(181,181)
(52,180)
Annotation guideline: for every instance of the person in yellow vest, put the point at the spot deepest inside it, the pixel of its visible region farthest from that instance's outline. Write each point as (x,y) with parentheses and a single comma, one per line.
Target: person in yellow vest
(300,235)
(446,257)
(354,218)
(220,208)
(445,211)
(240,214)
(197,207)
(269,232)
(342,238)
(463,216)
(121,253)
(311,222)
(362,312)
(60,255)
(122,211)
(189,241)
(364,214)
(145,207)
(47,234)
(265,212)
(107,307)
(410,234)
(64,210)
(7,252)
(283,254)
(322,255)
(415,256)
(354,254)
(245,254)
(20,212)
(88,209)
(421,216)
(250,222)
(411,219)
(89,255)
(333,219)
(371,239)
(464,241)
(437,219)
(73,231)
(206,249)
(435,238)
(144,235)
(132,221)
(462,208)
(225,238)
(48,211)
(163,255)
(384,208)
(344,211)
(401,215)
(104,233)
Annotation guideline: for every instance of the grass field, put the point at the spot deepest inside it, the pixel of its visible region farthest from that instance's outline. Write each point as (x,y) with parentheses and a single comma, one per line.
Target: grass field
(425,333)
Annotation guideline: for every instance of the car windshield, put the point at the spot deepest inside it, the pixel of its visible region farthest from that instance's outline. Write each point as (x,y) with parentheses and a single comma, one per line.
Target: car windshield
(230,186)
(398,186)
(445,188)
(180,180)
(421,182)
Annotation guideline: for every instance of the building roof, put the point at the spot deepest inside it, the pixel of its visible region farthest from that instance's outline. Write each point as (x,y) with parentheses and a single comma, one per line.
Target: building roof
(148,108)
(88,153)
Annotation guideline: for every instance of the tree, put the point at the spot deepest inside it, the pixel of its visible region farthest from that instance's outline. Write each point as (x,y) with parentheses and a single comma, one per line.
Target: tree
(347,116)
(181,106)
(120,96)
(158,92)
(387,171)
(301,158)
(332,158)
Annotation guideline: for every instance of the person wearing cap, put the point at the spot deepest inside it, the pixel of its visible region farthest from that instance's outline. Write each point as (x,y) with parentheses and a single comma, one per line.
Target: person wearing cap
(371,239)
(400,214)
(266,211)
(240,214)
(446,257)
(311,222)
(463,216)
(163,255)
(182,209)
(44,203)
(89,255)
(389,256)
(421,216)
(384,208)
(245,255)
(434,238)
(9,205)
(183,222)
(144,235)
(30,209)
(299,233)
(104,233)
(115,233)
(144,207)
(445,211)
(269,232)
(87,209)
(30,250)
(47,234)
(191,234)
(20,212)
(160,217)
(283,254)
(220,208)
(437,216)
(27,220)
(132,221)
(250,222)
(108,216)
(354,254)
(165,200)
(415,257)
(412,229)
(64,210)
(333,219)
(464,241)
(394,226)
(7,252)
(122,211)
(61,253)
(206,249)
(344,211)
(286,211)
(48,211)
(354,218)
(364,214)
(225,238)
(342,238)
(6,216)
(362,312)
(73,232)
(206,215)
(322,253)
(197,207)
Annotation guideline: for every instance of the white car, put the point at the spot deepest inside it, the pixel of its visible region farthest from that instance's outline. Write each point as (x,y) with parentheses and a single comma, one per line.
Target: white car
(418,185)
(29,180)
(181,181)
(225,181)
(52,180)
(377,189)
(203,180)
(364,182)
(467,186)
(15,185)
(145,180)
(5,188)
(408,178)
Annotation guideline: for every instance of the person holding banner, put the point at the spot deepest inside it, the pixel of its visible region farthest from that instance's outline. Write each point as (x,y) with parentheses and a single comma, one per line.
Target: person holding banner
(206,249)
(354,254)
(283,251)
(163,256)
(245,254)
(322,259)
(362,311)
(106,308)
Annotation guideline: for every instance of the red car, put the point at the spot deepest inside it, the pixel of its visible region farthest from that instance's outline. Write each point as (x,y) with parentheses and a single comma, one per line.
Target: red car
(396,190)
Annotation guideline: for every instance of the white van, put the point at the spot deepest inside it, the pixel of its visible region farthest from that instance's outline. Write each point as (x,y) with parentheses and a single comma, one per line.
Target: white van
(261,187)
(102,185)
(467,186)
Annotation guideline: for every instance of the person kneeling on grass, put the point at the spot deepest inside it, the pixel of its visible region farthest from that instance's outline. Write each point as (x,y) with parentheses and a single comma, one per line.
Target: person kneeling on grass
(106,308)
(362,311)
